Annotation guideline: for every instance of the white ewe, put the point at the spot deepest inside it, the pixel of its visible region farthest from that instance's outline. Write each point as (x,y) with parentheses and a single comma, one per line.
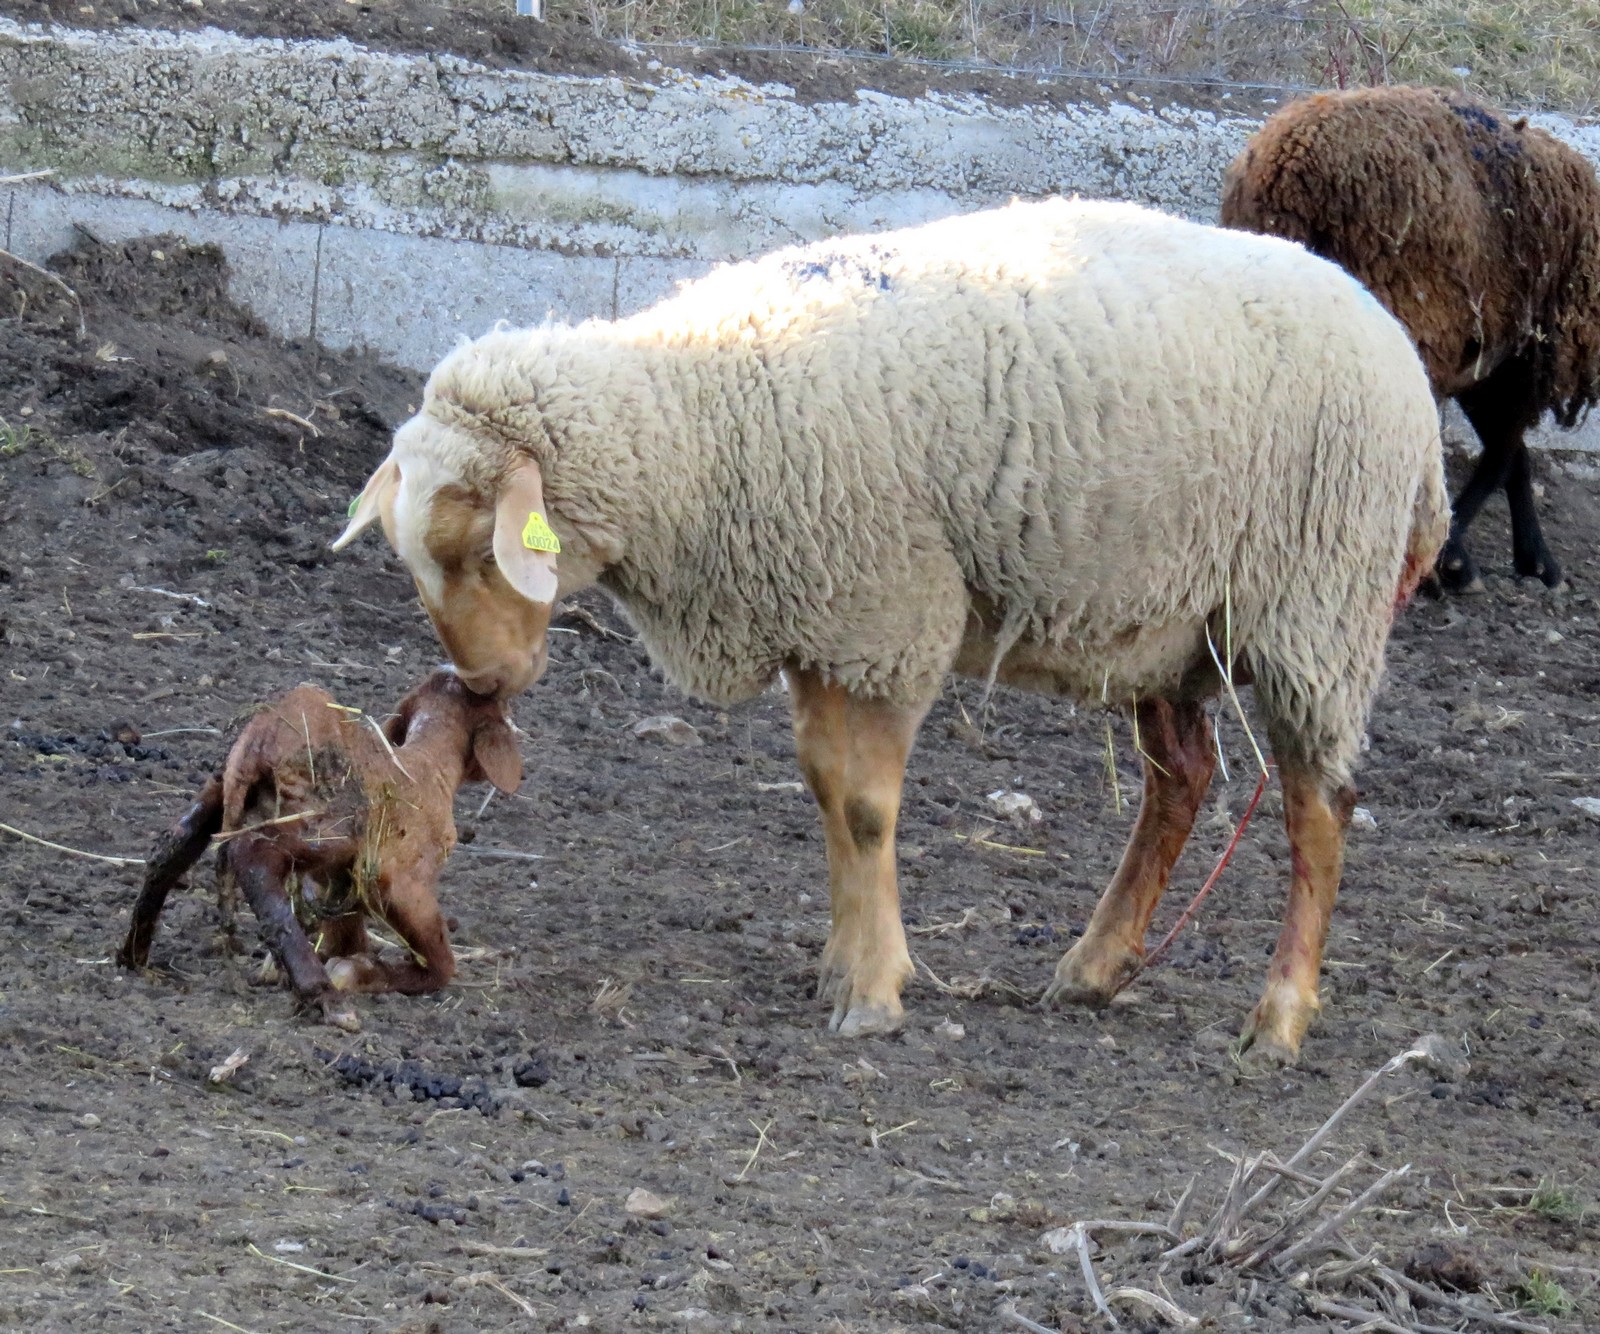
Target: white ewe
(1050,442)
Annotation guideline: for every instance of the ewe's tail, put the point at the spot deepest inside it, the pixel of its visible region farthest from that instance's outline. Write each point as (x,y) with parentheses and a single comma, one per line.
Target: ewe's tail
(175,852)
(1430,525)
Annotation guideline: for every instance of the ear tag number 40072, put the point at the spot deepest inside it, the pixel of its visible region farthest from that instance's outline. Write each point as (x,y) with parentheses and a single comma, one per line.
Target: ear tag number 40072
(537,535)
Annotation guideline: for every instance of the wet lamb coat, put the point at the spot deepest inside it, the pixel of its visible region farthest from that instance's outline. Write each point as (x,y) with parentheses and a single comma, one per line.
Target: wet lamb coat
(1065,429)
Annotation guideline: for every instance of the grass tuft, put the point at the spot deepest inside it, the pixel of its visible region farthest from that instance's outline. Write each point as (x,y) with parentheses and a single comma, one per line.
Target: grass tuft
(1541,1294)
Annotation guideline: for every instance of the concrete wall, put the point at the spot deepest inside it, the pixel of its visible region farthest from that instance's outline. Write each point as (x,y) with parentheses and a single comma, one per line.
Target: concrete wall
(404,201)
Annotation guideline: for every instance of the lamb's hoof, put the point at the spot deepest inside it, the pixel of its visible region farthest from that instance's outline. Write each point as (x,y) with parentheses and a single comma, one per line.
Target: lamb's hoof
(1091,976)
(863,1018)
(339,1013)
(344,974)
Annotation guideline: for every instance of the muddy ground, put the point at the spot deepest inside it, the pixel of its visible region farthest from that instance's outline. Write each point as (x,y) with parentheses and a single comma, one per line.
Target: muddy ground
(634,1007)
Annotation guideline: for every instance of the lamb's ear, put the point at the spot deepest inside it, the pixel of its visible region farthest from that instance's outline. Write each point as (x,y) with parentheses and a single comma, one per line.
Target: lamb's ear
(398,724)
(497,759)
(525,548)
(375,495)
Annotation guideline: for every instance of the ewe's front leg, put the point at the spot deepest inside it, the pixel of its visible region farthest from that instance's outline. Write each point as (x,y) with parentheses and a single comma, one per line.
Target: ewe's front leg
(1179,759)
(853,755)
(1316,828)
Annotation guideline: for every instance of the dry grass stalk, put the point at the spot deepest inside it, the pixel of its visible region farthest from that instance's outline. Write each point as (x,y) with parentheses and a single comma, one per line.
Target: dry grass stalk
(761,1143)
(283,414)
(611,997)
(1303,1245)
(76,852)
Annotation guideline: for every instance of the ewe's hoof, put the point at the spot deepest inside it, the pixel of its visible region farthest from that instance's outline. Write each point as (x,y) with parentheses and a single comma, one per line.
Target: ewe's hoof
(864,1018)
(1261,1054)
(341,1014)
(1091,976)
(1271,1036)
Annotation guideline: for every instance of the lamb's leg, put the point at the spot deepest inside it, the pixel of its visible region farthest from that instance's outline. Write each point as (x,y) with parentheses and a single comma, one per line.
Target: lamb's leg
(1316,820)
(260,869)
(342,937)
(178,849)
(853,755)
(1179,759)
(413,912)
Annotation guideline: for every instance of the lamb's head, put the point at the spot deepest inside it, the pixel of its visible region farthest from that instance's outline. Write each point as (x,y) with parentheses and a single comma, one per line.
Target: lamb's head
(443,713)
(470,526)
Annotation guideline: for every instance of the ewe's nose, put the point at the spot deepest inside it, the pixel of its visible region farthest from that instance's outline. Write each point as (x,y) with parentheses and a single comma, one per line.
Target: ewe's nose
(503,681)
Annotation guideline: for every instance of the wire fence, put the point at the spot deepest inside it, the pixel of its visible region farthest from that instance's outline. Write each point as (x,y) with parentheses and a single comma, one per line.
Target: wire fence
(1533,54)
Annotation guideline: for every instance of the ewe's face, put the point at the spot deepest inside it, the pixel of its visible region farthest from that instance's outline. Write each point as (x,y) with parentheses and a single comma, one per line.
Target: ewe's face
(494,635)
(483,565)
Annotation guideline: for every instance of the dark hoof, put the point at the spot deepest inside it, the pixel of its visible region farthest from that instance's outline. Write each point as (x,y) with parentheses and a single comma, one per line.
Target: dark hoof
(1457,573)
(1543,568)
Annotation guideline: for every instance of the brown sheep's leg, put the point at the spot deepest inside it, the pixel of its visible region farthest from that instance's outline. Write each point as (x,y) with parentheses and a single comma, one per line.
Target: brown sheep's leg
(260,870)
(1498,410)
(1316,828)
(853,755)
(1179,759)
(1529,555)
(415,917)
(178,849)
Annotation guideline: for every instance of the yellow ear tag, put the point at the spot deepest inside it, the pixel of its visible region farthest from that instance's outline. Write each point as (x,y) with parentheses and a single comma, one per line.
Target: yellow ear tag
(537,535)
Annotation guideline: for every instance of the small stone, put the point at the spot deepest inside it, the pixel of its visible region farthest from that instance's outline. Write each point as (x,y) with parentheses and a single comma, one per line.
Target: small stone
(950,1031)
(1060,1240)
(1590,806)
(645,1204)
(1553,636)
(88,1121)
(1362,818)
(1018,807)
(668,729)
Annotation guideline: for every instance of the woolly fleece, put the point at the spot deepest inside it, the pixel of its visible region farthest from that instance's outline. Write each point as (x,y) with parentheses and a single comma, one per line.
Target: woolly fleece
(1480,233)
(1064,433)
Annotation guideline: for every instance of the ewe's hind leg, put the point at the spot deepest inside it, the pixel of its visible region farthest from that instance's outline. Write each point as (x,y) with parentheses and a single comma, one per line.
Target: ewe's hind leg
(1179,759)
(1316,815)
(853,755)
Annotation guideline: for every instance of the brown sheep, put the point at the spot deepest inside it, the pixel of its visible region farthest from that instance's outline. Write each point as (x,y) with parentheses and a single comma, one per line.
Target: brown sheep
(1480,234)
(322,820)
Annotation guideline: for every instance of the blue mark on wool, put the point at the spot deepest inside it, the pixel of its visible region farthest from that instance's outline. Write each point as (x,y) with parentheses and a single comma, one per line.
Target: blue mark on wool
(854,270)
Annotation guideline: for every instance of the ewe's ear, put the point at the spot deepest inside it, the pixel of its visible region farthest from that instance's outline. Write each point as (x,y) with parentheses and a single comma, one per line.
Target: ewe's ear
(525,548)
(376,496)
(496,757)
